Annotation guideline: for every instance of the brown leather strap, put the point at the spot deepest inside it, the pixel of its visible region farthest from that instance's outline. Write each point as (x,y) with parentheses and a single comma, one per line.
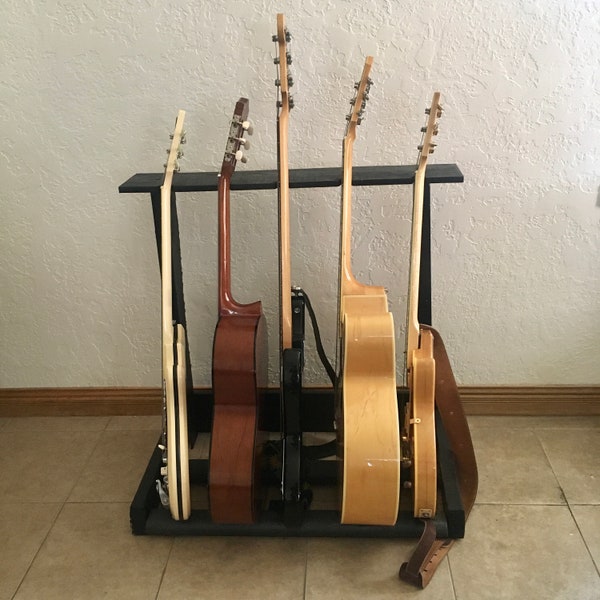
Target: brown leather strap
(430,551)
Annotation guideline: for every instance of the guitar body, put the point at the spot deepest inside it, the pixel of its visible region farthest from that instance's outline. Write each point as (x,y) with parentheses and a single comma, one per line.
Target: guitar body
(239,370)
(370,435)
(240,358)
(178,455)
(421,419)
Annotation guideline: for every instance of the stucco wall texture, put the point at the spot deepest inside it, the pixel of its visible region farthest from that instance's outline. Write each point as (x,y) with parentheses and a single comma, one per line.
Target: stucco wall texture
(89,92)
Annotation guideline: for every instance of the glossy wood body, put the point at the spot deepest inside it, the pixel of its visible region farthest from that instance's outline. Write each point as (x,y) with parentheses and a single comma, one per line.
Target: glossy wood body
(239,374)
(367,413)
(239,380)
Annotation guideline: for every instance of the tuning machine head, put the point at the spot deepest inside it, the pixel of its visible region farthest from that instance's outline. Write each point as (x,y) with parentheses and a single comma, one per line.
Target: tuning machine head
(247,127)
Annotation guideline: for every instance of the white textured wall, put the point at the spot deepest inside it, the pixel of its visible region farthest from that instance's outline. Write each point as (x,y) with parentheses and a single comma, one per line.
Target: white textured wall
(88,95)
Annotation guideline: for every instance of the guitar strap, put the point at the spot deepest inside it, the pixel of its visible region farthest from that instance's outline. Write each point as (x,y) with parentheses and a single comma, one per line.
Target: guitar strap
(430,551)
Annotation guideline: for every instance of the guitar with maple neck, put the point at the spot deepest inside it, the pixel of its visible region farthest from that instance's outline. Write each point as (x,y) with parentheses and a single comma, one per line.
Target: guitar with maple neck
(294,495)
(174,488)
(366,405)
(239,369)
(418,435)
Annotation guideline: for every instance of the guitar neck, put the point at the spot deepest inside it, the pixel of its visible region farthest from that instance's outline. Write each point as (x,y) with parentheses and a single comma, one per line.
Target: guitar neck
(347,281)
(425,148)
(285,284)
(226,302)
(412,333)
(166,269)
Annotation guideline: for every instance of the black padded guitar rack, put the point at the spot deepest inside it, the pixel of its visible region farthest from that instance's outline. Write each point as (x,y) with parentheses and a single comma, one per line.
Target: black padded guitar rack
(149,517)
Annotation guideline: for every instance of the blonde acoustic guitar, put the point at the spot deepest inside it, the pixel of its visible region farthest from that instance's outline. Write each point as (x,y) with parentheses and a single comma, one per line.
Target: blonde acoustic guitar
(367,410)
(419,420)
(174,489)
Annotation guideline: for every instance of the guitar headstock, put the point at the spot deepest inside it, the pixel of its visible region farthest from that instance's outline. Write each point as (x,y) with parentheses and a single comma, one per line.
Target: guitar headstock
(430,129)
(174,151)
(359,102)
(283,60)
(236,140)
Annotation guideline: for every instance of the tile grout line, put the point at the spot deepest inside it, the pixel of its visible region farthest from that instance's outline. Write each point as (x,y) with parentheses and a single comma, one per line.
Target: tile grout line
(570,509)
(41,545)
(164,571)
(597,567)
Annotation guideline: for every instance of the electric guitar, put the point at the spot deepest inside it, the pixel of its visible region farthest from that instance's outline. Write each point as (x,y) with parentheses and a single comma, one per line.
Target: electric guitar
(174,489)
(295,498)
(239,368)
(366,407)
(418,434)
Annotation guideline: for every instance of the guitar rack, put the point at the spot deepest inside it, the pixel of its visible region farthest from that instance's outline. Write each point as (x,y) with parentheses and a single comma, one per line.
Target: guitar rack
(149,517)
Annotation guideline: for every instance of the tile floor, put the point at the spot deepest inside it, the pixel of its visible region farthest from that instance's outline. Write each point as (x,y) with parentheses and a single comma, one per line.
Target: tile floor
(66,485)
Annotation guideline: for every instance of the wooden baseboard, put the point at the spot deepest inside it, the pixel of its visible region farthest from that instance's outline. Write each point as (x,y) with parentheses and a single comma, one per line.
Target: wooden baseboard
(477,400)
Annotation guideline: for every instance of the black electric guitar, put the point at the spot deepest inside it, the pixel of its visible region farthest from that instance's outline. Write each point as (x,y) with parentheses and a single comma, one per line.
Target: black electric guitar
(295,497)
(174,488)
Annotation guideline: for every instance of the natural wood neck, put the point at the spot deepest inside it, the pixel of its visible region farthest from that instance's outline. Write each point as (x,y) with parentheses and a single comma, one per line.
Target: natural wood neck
(165,261)
(348,283)
(412,334)
(227,305)
(285,285)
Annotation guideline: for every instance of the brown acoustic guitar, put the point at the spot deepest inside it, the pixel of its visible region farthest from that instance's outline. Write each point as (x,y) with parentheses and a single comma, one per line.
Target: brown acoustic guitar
(367,408)
(239,369)
(418,436)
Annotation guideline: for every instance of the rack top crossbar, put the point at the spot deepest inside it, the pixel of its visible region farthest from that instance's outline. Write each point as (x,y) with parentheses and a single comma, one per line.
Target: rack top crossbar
(299,178)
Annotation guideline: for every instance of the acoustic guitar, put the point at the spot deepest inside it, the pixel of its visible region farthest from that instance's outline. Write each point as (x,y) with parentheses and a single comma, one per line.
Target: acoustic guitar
(174,489)
(295,497)
(367,410)
(239,368)
(418,434)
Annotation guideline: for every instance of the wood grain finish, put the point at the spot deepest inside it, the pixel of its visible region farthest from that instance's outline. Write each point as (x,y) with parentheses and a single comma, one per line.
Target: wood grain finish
(367,411)
(239,370)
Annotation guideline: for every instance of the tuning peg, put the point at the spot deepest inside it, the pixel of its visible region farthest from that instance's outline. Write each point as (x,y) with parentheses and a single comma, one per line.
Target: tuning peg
(179,153)
(276,60)
(275,38)
(183,137)
(440,110)
(288,58)
(436,129)
(239,155)
(244,142)
(278,82)
(290,81)
(288,36)
(247,126)
(356,85)
(291,102)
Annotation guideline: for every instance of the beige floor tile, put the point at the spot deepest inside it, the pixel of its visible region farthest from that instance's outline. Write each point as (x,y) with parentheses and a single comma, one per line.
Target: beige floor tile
(531,422)
(23,528)
(90,553)
(235,567)
(357,569)
(57,424)
(3,422)
(575,459)
(513,468)
(588,520)
(43,466)
(115,468)
(135,423)
(529,552)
